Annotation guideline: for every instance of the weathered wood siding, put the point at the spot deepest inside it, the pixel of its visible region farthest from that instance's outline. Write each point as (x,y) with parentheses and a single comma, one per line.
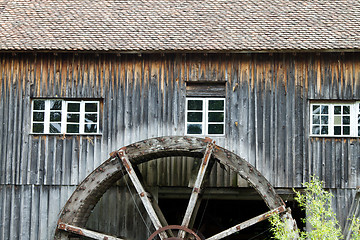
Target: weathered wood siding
(267,117)
(30,212)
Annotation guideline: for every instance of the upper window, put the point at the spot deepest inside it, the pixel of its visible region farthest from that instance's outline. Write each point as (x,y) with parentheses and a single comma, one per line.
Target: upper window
(56,116)
(335,119)
(205,116)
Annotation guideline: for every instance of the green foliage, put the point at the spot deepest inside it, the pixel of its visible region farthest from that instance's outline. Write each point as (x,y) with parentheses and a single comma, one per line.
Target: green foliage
(280,230)
(355,228)
(317,203)
(320,216)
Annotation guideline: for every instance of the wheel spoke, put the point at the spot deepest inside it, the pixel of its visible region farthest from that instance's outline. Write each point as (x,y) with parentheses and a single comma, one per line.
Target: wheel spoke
(162,218)
(85,232)
(193,202)
(144,196)
(196,209)
(247,223)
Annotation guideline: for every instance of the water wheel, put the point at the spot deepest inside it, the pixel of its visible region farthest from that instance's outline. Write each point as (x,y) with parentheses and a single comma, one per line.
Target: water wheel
(76,211)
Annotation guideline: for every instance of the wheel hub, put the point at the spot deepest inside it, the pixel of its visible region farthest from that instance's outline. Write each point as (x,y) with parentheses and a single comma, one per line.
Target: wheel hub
(175,227)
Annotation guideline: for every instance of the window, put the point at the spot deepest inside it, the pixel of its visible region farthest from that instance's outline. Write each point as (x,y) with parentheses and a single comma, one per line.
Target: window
(335,119)
(56,116)
(205,116)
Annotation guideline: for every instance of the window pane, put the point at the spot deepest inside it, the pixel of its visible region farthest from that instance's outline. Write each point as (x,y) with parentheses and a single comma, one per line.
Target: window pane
(55,127)
(194,117)
(337,130)
(316,130)
(216,105)
(337,120)
(73,107)
(324,130)
(216,129)
(346,109)
(90,107)
(346,130)
(337,109)
(39,105)
(324,109)
(55,117)
(55,105)
(72,128)
(194,129)
(73,117)
(38,127)
(216,117)
(324,119)
(316,109)
(316,119)
(90,128)
(359,119)
(195,104)
(359,131)
(91,118)
(346,120)
(38,116)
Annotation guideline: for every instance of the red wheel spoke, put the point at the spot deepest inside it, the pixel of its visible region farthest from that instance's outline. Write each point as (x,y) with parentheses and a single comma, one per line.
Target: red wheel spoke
(247,223)
(85,232)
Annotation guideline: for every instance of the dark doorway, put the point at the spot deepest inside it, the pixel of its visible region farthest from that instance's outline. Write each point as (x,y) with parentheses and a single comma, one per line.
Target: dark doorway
(215,216)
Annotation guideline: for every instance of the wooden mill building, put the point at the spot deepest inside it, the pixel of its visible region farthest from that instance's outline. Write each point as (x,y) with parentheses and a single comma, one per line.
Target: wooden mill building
(275,83)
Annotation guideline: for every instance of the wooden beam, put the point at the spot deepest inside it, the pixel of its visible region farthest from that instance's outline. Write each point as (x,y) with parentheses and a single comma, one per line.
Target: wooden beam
(196,189)
(162,218)
(85,232)
(141,191)
(247,223)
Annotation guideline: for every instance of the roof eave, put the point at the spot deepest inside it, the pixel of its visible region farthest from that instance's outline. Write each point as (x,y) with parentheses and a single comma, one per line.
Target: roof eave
(241,51)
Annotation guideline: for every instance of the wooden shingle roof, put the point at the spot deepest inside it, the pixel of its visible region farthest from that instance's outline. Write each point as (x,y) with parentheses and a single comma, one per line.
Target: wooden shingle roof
(180,25)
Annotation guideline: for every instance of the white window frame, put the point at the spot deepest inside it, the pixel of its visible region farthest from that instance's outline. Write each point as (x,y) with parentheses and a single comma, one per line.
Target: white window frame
(354,116)
(205,121)
(82,116)
(64,111)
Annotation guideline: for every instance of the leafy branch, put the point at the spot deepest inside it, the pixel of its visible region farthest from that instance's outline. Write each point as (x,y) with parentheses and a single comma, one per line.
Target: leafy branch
(320,216)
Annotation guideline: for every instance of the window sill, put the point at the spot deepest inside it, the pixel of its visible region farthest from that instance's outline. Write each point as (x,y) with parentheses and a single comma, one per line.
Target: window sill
(66,134)
(203,136)
(324,136)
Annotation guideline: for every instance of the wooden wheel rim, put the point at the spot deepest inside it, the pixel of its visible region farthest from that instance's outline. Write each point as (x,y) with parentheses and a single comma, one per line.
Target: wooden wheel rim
(79,206)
